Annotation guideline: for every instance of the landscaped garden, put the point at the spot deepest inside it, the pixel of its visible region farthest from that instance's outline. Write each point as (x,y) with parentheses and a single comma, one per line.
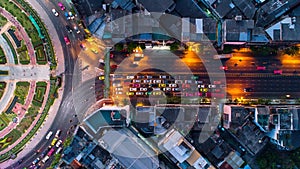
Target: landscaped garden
(3,20)
(2,88)
(5,119)
(2,56)
(40,55)
(21,91)
(23,54)
(28,119)
(39,93)
(11,47)
(10,138)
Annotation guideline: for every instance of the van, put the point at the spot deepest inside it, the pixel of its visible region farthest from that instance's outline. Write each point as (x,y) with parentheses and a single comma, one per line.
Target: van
(49,135)
(45,159)
(58,150)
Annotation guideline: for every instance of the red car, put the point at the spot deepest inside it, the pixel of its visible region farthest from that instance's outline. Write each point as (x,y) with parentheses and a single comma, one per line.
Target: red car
(223,68)
(51,152)
(67,40)
(114,66)
(277,72)
(61,5)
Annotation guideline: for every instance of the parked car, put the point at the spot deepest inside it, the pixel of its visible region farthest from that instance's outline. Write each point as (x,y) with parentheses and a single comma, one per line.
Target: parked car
(58,143)
(49,135)
(69,29)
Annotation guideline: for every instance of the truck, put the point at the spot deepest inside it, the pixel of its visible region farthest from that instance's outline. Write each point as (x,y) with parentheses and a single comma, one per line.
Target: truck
(222,56)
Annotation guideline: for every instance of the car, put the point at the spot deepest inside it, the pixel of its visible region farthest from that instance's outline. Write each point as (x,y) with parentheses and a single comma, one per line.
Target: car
(149,77)
(186,85)
(119,92)
(277,72)
(167,89)
(188,81)
(173,85)
(94,50)
(137,81)
(67,16)
(53,141)
(67,40)
(178,81)
(36,161)
(61,5)
(101,77)
(129,93)
(198,82)
(119,89)
(51,152)
(114,66)
(69,29)
(137,85)
(71,15)
(129,77)
(76,29)
(139,93)
(143,89)
(261,68)
(55,13)
(223,68)
(217,82)
(132,89)
(176,89)
(212,86)
(146,81)
(139,76)
(49,135)
(163,77)
(82,46)
(156,93)
(58,150)
(248,89)
(156,81)
(45,159)
(162,85)
(58,143)
(57,133)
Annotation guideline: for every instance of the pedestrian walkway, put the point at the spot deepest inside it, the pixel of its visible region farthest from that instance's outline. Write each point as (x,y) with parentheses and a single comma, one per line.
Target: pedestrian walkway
(7,96)
(7,50)
(25,72)
(5,27)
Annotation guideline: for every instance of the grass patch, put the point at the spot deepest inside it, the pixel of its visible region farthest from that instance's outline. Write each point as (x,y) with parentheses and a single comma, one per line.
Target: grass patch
(3,20)
(2,124)
(40,55)
(11,47)
(9,139)
(2,88)
(21,91)
(28,119)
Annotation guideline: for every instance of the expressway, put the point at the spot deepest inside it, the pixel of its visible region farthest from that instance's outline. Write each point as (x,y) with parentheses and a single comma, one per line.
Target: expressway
(65,119)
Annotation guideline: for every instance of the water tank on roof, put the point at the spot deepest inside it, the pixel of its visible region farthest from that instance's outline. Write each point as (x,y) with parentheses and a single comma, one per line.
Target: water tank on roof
(238,18)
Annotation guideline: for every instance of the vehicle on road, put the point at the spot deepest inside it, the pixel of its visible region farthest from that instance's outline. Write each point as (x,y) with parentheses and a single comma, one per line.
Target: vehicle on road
(277,72)
(67,16)
(223,68)
(261,68)
(143,89)
(53,141)
(45,159)
(133,89)
(69,29)
(223,56)
(130,93)
(57,133)
(114,66)
(76,28)
(58,143)
(67,40)
(61,5)
(36,161)
(58,150)
(55,13)
(49,135)
(94,50)
(51,152)
(248,89)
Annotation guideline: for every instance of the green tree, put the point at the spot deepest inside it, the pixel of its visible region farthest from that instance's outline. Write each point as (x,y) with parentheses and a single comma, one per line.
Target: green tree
(131,46)
(292,51)
(174,46)
(119,47)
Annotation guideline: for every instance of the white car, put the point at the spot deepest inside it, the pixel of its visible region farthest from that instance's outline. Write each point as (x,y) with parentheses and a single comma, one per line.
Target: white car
(173,85)
(119,89)
(139,93)
(119,93)
(178,81)
(49,135)
(57,133)
(211,86)
(136,81)
(143,89)
(133,89)
(129,77)
(55,13)
(58,143)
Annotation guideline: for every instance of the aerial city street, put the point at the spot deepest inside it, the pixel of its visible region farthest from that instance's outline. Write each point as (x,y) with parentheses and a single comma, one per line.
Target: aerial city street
(149,84)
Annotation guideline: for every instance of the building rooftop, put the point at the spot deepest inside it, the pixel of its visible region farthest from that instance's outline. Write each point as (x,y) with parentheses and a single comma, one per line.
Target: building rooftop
(156,5)
(246,6)
(237,31)
(189,9)
(223,7)
(129,150)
